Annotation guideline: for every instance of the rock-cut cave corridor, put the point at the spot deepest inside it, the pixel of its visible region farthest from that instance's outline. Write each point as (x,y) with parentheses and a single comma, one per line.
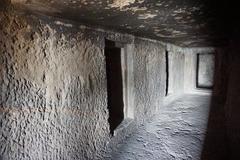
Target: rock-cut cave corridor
(119,80)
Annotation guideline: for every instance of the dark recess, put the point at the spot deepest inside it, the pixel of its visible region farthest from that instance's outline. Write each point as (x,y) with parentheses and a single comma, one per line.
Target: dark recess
(114,84)
(222,141)
(167,72)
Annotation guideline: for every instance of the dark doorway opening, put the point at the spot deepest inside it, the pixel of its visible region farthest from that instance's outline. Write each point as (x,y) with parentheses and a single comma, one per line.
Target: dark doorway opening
(167,72)
(114,85)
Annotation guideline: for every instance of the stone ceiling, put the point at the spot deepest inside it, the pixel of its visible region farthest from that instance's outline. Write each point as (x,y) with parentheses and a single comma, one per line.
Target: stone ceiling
(187,23)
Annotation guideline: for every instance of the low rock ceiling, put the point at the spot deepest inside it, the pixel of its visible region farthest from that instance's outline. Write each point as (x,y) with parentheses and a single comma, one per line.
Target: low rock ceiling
(187,23)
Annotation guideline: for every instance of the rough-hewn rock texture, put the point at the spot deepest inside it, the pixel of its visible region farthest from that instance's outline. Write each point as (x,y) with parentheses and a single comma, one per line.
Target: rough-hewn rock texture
(176,71)
(185,23)
(190,71)
(149,76)
(205,70)
(176,132)
(53,94)
(53,87)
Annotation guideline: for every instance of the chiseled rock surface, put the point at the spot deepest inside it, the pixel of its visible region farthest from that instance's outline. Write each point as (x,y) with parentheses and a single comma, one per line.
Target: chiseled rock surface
(53,90)
(176,132)
(184,23)
(53,99)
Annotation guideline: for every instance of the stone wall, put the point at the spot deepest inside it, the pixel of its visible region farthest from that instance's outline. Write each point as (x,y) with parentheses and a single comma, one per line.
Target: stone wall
(54,91)
(176,72)
(191,70)
(205,70)
(219,70)
(149,77)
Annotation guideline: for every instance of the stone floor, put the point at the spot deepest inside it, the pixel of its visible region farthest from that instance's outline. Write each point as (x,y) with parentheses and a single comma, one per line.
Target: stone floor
(177,132)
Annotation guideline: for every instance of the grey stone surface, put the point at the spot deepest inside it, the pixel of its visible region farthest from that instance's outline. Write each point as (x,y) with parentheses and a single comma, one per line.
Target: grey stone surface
(218,77)
(53,99)
(53,88)
(205,73)
(54,96)
(175,132)
(149,77)
(176,72)
(185,22)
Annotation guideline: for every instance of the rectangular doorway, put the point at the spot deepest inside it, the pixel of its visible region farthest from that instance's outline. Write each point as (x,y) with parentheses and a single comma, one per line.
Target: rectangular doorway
(114,84)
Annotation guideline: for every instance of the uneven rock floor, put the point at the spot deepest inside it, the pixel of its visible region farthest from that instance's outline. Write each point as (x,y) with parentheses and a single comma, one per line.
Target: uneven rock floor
(175,133)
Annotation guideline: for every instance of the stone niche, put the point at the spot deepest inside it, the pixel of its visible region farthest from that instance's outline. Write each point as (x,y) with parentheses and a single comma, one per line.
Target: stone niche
(205,70)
